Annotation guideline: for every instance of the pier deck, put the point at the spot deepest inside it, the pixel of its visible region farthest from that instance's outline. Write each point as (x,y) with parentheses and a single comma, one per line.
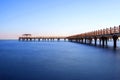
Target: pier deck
(103,35)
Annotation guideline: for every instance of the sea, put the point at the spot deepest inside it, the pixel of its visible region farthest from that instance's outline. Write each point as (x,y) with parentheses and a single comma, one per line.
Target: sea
(55,60)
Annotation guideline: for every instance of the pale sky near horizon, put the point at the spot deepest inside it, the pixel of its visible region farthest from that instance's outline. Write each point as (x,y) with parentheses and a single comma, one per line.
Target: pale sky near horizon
(56,17)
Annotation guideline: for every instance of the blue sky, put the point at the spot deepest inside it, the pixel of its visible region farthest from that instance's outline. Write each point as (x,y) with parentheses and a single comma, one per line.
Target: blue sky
(56,17)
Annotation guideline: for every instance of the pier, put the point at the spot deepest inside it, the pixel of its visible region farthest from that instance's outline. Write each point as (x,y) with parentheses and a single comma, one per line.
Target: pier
(102,35)
(29,37)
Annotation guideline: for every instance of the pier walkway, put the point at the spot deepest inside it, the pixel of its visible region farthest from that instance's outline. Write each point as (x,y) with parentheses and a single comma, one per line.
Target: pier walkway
(29,37)
(102,35)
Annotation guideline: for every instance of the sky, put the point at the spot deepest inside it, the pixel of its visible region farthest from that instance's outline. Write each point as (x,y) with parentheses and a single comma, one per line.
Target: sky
(56,17)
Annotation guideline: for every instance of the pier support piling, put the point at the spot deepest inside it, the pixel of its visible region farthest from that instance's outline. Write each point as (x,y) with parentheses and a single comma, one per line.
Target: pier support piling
(95,39)
(115,41)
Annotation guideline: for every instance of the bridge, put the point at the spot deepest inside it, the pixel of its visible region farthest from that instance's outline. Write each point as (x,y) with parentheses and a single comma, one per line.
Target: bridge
(101,35)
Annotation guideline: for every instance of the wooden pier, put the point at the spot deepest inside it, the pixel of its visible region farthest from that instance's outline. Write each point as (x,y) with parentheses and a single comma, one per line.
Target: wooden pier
(29,37)
(102,35)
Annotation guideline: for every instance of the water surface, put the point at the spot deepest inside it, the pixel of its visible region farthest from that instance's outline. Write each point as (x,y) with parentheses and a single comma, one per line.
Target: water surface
(57,61)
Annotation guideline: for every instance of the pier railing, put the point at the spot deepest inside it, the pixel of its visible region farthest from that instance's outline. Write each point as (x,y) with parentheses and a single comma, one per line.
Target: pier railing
(101,32)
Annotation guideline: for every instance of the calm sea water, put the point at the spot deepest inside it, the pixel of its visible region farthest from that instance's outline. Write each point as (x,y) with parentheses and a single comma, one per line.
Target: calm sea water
(57,61)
